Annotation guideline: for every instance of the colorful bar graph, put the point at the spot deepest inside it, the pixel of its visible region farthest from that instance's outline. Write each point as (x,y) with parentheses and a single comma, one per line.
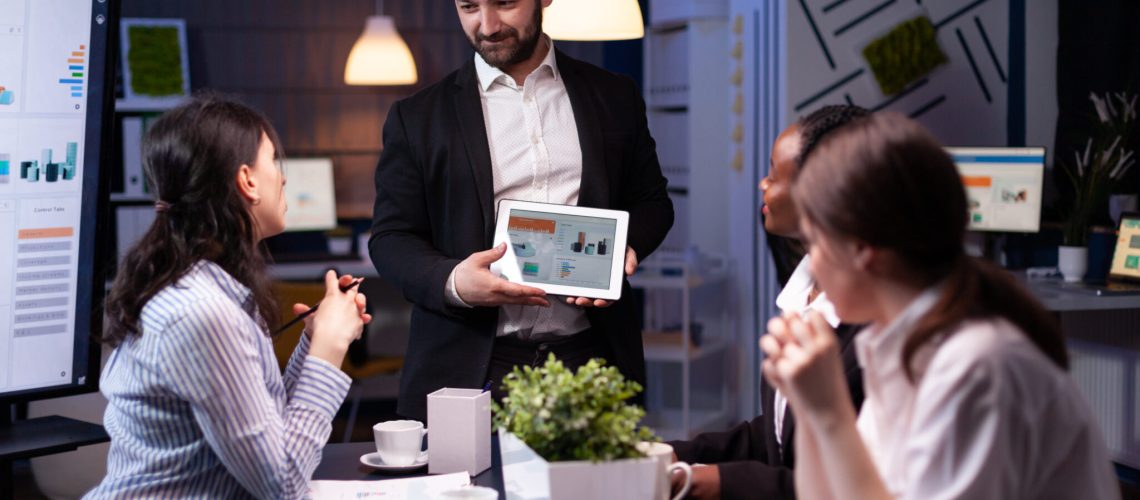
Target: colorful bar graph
(75,68)
(565,269)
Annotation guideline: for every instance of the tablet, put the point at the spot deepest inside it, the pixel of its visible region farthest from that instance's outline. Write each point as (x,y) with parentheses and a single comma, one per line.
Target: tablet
(564,250)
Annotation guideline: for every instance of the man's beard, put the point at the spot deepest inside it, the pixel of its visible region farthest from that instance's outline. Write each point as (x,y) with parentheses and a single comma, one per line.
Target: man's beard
(505,56)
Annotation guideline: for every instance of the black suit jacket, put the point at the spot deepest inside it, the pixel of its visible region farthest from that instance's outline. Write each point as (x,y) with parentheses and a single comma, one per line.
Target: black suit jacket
(435,206)
(750,459)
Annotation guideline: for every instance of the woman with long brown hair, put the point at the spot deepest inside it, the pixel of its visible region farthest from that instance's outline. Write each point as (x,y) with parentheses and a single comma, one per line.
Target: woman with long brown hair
(967,394)
(197,406)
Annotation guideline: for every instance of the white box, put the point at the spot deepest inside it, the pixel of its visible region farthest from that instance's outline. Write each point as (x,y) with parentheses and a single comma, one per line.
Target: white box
(459,431)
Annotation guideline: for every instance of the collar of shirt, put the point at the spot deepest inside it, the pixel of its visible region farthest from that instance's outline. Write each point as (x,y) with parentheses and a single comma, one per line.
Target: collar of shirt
(490,75)
(794,296)
(879,348)
(229,285)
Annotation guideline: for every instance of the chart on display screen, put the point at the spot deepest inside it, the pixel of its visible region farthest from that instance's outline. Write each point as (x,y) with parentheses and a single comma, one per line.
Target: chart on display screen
(48,187)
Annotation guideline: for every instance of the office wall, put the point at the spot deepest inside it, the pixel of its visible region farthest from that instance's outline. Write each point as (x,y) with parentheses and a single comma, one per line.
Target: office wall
(789,71)
(963,102)
(1041,38)
(287,57)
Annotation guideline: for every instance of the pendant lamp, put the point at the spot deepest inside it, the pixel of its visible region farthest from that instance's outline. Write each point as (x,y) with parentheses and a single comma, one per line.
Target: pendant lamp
(593,20)
(380,56)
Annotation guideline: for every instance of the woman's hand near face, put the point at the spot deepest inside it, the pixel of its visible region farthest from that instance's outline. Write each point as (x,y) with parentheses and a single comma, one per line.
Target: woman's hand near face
(339,321)
(802,361)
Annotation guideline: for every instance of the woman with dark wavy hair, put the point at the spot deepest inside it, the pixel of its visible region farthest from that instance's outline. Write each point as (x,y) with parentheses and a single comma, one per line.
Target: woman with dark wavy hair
(197,404)
(967,394)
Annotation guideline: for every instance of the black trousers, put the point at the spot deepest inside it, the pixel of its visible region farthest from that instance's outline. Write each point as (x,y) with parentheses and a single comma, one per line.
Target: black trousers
(573,351)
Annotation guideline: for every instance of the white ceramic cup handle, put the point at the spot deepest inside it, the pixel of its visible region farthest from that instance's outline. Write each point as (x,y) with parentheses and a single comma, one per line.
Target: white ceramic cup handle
(688,478)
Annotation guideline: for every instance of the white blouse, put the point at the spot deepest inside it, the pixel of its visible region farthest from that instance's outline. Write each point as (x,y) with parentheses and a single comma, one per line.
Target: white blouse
(988,416)
(794,297)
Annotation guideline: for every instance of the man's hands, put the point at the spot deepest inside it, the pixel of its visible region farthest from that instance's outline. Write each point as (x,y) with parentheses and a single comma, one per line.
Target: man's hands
(478,286)
(630,267)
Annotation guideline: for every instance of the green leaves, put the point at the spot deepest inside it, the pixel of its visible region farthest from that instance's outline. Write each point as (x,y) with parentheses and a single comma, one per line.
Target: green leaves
(908,52)
(155,59)
(1097,169)
(563,415)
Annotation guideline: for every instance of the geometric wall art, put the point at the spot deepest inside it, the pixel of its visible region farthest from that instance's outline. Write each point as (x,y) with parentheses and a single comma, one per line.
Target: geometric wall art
(943,63)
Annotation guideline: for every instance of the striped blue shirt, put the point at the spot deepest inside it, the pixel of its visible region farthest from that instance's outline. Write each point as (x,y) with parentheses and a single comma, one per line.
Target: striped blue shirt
(198,406)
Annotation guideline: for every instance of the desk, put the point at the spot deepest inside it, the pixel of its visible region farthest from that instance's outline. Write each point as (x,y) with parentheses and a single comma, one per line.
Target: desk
(1057,299)
(1103,336)
(341,461)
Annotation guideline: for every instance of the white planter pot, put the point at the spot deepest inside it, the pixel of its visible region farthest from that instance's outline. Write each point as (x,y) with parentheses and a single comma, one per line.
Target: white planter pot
(526,475)
(1073,262)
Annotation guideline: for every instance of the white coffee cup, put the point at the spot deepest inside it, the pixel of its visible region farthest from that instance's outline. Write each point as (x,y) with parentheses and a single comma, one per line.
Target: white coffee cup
(471,492)
(663,454)
(399,441)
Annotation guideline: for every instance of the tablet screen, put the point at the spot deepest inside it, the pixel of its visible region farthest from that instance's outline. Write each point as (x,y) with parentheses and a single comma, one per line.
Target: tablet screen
(561,249)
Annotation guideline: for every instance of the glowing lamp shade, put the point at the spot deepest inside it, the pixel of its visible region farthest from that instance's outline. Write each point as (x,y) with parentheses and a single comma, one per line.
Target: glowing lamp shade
(380,56)
(593,20)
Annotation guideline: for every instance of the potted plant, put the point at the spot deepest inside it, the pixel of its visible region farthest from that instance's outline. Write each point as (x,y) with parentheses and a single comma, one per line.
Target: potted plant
(1093,174)
(574,435)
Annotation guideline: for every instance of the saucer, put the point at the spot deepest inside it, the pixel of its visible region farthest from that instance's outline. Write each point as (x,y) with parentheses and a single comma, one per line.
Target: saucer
(373,460)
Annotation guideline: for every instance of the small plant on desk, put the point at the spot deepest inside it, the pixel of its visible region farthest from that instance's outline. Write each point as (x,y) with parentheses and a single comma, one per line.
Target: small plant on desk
(1106,158)
(565,416)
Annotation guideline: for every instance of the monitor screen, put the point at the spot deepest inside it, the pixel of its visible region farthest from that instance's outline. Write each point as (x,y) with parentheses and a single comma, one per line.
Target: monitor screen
(54,93)
(1003,187)
(1126,257)
(310,194)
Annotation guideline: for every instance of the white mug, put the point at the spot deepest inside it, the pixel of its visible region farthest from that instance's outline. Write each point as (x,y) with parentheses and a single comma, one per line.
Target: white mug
(399,441)
(663,454)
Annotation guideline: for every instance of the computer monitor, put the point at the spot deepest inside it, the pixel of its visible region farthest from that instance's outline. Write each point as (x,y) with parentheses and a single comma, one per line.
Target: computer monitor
(55,112)
(1003,186)
(310,194)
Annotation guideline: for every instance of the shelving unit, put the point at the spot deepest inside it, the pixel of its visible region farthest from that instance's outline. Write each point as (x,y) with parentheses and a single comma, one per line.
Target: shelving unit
(688,101)
(131,204)
(671,342)
(688,105)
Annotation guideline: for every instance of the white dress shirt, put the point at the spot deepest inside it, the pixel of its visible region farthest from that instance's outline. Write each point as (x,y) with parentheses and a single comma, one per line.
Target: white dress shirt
(535,156)
(988,416)
(794,298)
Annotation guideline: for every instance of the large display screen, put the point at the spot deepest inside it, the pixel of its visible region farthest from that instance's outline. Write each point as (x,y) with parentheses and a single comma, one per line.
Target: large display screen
(53,96)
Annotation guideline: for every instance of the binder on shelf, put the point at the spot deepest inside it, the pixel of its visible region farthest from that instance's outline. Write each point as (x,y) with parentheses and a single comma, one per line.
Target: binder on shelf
(671,131)
(131,223)
(668,12)
(134,184)
(667,57)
